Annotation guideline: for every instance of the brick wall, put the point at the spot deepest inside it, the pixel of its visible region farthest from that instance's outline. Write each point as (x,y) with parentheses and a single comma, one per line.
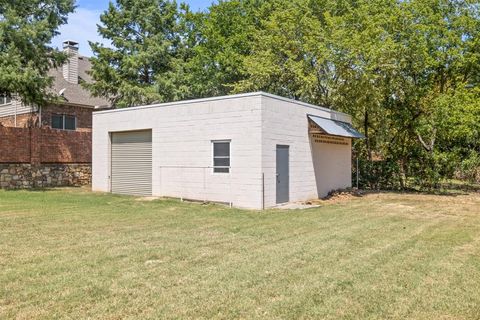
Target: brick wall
(24,120)
(15,145)
(82,114)
(44,145)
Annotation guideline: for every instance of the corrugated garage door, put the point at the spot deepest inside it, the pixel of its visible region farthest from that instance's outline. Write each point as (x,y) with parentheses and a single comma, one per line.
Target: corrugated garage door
(132,162)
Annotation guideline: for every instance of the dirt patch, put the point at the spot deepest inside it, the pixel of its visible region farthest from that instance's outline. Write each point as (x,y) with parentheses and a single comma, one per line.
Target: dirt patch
(147,198)
(338,196)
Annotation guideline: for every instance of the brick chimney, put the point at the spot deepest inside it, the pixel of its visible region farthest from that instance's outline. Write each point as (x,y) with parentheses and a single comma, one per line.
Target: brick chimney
(70,68)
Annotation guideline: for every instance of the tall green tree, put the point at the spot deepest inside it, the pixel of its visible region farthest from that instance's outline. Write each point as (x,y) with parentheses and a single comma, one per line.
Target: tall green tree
(407,71)
(223,37)
(26,30)
(145,40)
(392,64)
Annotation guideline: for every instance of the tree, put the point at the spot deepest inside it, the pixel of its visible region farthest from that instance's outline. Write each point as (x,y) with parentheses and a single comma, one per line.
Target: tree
(26,29)
(407,71)
(144,44)
(323,52)
(391,64)
(223,37)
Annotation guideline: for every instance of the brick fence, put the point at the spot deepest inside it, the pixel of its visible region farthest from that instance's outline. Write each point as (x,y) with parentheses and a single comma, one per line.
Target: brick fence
(43,157)
(44,145)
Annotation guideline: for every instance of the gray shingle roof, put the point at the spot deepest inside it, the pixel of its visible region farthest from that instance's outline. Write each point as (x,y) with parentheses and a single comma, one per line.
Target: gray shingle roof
(75,93)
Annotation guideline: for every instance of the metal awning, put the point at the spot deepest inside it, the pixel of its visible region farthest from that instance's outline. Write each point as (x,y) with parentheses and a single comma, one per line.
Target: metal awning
(336,128)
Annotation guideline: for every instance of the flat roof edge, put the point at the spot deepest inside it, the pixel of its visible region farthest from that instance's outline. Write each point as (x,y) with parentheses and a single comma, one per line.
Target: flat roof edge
(305,104)
(233,96)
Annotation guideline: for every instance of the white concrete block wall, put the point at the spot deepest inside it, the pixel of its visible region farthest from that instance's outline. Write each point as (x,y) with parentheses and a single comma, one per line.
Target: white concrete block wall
(255,123)
(285,123)
(181,136)
(332,165)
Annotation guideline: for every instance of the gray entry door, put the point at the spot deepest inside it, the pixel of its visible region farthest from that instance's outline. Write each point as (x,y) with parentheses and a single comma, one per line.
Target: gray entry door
(282,174)
(131,171)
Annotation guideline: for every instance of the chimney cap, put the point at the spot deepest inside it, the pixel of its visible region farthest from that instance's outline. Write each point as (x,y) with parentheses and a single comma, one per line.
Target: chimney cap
(70,43)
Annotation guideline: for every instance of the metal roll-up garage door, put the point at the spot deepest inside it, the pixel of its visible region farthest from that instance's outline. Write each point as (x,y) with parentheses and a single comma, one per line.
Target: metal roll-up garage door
(132,163)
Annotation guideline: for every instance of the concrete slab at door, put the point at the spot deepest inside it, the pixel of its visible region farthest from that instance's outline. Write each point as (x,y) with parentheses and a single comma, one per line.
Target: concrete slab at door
(283,174)
(131,171)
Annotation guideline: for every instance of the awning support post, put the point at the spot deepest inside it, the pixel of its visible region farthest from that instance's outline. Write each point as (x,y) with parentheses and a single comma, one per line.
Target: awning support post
(357,172)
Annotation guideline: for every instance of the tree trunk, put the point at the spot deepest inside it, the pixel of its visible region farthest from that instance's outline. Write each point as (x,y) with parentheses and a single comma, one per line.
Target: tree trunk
(367,138)
(402,175)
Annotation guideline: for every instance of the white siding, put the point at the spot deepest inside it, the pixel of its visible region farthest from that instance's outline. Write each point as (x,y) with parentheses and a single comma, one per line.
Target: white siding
(181,141)
(315,169)
(70,67)
(15,107)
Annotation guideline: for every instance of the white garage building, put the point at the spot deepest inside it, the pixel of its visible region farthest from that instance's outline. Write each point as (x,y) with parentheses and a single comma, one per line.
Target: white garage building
(253,150)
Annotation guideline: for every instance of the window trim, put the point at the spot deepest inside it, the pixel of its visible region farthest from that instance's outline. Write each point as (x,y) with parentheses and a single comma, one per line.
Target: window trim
(229,141)
(63,115)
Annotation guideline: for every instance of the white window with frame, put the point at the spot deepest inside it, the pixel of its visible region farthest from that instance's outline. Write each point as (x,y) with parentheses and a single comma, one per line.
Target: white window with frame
(221,156)
(5,100)
(64,122)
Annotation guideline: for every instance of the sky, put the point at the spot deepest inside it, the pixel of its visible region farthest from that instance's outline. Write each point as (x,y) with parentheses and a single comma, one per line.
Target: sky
(82,24)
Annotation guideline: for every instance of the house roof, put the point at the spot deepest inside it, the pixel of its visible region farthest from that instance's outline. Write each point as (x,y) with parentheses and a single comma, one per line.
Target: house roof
(75,93)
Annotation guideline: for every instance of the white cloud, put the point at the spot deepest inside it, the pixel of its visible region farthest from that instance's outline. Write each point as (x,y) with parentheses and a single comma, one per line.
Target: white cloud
(81,27)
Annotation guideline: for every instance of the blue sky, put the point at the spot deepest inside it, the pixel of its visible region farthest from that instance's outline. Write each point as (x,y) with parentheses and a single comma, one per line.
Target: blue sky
(82,23)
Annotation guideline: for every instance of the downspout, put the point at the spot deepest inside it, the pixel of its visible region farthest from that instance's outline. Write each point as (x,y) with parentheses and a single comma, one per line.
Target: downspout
(358,177)
(40,116)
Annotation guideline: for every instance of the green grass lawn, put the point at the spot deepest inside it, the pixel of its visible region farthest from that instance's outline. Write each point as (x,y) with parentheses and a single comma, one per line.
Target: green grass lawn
(75,254)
